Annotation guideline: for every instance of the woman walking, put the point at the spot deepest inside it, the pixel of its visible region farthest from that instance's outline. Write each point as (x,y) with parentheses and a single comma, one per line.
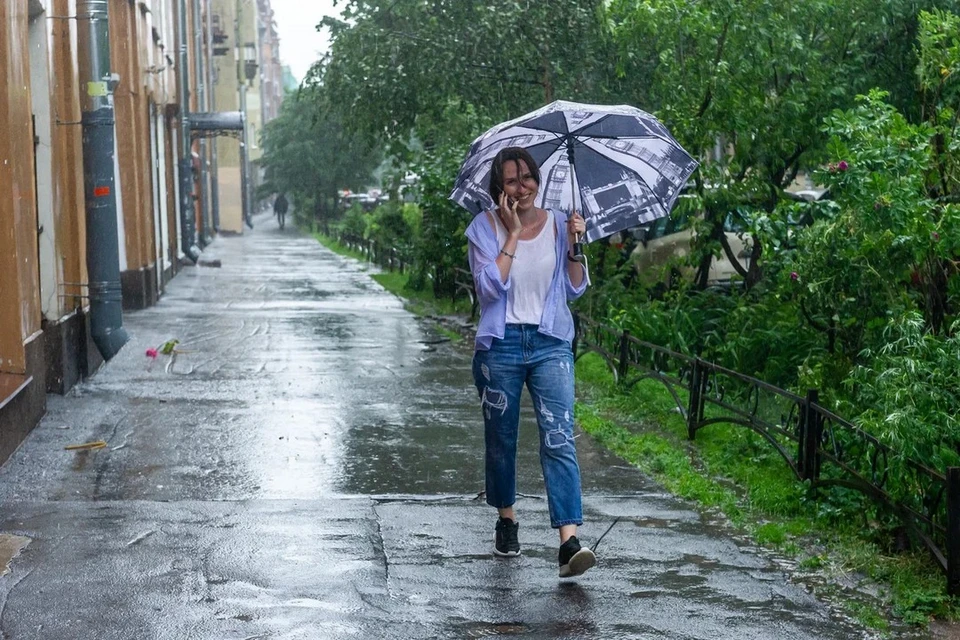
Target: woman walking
(524,277)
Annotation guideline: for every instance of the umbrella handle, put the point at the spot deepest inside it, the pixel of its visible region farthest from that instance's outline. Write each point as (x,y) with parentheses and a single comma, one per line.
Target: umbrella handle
(578,249)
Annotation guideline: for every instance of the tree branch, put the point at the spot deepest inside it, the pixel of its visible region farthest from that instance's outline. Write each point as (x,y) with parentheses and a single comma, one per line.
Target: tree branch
(721,42)
(734,260)
(819,326)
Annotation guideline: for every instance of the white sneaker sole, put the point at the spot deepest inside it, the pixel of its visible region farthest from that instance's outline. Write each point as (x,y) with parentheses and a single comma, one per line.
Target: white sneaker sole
(579,564)
(503,554)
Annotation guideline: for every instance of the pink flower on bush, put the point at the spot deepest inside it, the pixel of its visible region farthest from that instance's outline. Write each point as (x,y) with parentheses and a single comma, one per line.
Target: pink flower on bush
(794,276)
(152,353)
(936,237)
(842,165)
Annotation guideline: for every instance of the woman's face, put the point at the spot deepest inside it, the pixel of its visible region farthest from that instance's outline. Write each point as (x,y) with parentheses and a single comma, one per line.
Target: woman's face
(518,183)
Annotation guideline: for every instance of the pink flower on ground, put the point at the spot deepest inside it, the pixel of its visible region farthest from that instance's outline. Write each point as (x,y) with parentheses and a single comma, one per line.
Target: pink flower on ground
(152,353)
(842,165)
(794,276)
(936,237)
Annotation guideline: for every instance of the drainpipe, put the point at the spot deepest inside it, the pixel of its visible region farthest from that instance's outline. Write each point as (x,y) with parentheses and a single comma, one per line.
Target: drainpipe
(244,160)
(187,215)
(240,54)
(205,236)
(212,102)
(99,179)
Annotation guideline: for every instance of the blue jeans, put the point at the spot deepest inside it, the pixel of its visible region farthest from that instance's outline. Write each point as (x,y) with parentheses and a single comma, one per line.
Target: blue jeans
(545,364)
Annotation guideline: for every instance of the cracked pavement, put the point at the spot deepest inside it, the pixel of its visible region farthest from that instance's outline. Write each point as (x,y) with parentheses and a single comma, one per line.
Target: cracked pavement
(308,467)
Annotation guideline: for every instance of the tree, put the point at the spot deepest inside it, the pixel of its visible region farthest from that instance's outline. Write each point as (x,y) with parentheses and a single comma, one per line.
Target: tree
(310,155)
(397,64)
(745,86)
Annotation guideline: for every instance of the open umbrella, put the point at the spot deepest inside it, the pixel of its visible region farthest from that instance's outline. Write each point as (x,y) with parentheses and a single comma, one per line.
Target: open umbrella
(617,165)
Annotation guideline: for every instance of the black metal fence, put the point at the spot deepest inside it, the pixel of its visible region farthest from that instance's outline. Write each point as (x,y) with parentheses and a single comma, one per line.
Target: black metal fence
(819,446)
(390,258)
(393,259)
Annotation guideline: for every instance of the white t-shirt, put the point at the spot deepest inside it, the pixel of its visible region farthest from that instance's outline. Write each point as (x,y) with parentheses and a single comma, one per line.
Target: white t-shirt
(531,272)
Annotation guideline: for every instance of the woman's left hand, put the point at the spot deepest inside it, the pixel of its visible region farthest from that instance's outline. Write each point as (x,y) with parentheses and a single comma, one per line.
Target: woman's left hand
(575,226)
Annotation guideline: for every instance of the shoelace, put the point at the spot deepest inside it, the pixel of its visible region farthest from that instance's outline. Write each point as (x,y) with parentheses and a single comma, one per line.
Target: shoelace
(597,543)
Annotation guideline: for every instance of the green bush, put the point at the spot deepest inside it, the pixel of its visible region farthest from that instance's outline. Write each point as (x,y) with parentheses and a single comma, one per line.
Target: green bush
(355,222)
(442,246)
(909,393)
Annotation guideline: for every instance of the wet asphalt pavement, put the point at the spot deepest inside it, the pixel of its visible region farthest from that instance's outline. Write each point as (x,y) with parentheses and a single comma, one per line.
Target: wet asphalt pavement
(308,468)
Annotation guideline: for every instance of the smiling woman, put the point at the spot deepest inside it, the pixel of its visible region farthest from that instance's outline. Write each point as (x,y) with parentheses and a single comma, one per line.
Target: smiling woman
(524,283)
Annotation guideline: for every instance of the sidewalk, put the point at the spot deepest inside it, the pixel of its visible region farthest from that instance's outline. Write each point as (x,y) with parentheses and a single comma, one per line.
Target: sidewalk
(308,468)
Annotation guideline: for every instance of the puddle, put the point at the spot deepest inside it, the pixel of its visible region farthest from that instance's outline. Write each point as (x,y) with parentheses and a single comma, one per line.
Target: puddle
(10,548)
(491,629)
(557,629)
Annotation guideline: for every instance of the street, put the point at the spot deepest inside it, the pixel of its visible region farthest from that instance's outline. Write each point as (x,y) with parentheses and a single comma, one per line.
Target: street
(307,466)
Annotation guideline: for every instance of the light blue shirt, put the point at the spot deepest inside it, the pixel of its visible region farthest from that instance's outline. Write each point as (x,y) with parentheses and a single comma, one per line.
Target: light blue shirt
(556,321)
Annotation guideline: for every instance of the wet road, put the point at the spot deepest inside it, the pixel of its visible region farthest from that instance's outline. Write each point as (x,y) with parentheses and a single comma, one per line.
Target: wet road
(308,469)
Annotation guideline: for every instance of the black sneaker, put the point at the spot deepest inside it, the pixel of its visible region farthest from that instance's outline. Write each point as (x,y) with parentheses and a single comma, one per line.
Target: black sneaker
(574,559)
(506,543)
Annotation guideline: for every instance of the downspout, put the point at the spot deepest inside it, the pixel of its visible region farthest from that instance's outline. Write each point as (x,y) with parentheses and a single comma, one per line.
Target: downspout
(244,160)
(99,178)
(212,102)
(205,237)
(187,215)
(242,88)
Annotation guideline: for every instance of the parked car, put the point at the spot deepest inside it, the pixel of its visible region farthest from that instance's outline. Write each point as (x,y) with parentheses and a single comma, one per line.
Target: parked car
(663,249)
(367,202)
(664,246)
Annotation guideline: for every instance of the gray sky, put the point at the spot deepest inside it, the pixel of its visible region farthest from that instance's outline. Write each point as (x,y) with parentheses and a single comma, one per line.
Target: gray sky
(300,43)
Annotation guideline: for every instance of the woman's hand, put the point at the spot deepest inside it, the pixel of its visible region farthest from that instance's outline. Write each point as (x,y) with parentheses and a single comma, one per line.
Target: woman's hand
(508,215)
(575,226)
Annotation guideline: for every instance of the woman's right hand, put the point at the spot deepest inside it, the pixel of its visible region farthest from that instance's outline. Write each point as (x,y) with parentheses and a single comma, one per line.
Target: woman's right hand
(508,215)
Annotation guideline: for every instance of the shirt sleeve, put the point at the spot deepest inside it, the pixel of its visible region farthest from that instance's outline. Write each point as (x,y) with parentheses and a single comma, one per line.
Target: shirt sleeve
(486,276)
(575,292)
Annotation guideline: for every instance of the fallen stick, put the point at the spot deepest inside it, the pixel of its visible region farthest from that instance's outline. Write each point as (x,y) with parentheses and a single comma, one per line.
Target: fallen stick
(86,446)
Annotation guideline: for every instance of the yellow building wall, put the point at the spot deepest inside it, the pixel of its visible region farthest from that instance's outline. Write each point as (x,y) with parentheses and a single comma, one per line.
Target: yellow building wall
(68,198)
(19,286)
(123,55)
(231,205)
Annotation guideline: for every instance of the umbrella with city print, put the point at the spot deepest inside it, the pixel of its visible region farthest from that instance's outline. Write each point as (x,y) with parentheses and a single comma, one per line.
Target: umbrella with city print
(617,165)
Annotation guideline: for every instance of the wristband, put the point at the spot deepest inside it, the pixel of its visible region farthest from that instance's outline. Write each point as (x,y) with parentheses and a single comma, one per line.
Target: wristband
(509,255)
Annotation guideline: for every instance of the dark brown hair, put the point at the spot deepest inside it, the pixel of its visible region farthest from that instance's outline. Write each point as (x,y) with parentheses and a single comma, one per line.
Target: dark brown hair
(510,154)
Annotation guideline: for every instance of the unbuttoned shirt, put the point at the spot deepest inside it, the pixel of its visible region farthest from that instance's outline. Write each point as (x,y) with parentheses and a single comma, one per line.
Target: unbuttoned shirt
(556,321)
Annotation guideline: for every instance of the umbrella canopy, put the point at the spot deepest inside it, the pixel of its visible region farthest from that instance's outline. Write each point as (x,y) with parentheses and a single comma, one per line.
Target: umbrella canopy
(617,165)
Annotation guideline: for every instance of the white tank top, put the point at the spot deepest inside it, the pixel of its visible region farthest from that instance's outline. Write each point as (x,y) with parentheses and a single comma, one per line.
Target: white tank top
(531,272)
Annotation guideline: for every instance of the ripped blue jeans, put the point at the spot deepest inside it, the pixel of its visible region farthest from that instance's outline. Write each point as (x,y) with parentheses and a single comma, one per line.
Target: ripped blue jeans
(545,364)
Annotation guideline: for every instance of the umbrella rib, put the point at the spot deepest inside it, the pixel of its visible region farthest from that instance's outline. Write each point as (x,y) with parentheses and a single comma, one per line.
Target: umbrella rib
(591,136)
(592,124)
(577,134)
(499,140)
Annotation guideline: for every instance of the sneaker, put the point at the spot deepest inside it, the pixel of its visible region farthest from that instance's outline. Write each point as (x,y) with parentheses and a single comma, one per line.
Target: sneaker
(574,559)
(506,543)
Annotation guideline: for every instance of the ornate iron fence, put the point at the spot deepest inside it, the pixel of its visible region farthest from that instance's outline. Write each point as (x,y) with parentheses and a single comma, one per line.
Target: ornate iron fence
(389,258)
(393,259)
(819,446)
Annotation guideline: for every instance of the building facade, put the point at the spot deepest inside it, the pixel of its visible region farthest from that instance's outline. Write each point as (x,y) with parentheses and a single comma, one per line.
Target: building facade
(163,181)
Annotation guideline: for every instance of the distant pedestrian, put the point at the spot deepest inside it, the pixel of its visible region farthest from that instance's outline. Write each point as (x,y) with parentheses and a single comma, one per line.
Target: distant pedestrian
(525,276)
(280,208)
